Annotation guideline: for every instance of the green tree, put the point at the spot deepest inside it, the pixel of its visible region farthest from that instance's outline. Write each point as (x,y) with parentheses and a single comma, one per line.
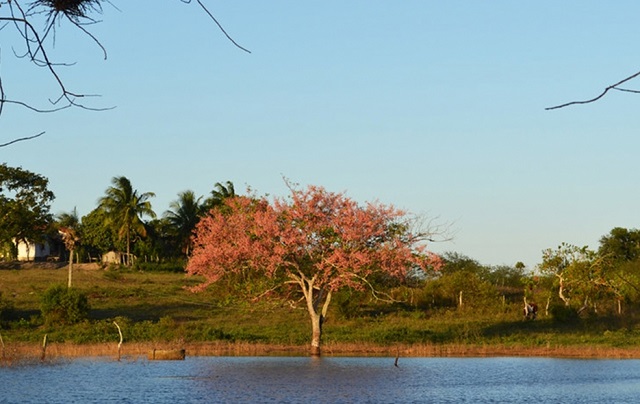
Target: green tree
(25,201)
(124,208)
(160,242)
(219,194)
(454,262)
(621,244)
(622,247)
(69,219)
(461,279)
(460,289)
(182,216)
(60,305)
(97,236)
(506,275)
(582,275)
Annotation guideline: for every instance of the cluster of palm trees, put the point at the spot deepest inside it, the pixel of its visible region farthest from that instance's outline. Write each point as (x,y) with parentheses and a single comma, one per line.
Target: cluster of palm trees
(123,212)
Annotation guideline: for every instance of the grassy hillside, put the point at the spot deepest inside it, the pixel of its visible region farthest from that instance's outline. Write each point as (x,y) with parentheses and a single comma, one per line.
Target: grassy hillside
(157,307)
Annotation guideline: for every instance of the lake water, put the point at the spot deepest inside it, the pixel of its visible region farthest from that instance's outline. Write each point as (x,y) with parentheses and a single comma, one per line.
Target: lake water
(324,380)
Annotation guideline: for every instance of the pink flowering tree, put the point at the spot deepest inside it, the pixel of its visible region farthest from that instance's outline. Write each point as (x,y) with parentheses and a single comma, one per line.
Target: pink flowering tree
(315,239)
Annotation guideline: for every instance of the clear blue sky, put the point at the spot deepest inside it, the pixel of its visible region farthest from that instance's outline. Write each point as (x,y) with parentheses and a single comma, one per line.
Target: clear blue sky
(435,107)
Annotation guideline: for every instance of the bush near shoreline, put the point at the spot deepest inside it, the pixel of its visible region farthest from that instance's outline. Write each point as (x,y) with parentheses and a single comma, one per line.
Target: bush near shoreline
(154,309)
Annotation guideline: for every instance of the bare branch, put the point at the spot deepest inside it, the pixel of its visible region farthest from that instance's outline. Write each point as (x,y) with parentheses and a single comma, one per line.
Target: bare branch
(218,24)
(22,139)
(34,43)
(606,90)
(627,90)
(376,294)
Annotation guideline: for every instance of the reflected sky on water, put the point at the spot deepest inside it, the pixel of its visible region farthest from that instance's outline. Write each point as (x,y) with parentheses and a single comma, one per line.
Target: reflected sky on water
(323,380)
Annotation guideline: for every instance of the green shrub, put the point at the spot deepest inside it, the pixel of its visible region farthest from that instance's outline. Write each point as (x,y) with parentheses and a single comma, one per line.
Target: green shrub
(113,274)
(171,266)
(62,305)
(563,314)
(347,303)
(5,307)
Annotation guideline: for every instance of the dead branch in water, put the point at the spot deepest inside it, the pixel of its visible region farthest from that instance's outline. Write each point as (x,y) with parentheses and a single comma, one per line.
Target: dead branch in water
(119,343)
(44,348)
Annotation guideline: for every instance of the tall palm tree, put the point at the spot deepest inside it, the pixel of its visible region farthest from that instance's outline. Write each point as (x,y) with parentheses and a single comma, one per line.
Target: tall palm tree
(69,219)
(69,228)
(124,207)
(183,215)
(219,194)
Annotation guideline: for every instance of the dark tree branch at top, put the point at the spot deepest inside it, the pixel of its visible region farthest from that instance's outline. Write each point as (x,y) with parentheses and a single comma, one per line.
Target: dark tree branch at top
(606,90)
(22,16)
(218,24)
(21,139)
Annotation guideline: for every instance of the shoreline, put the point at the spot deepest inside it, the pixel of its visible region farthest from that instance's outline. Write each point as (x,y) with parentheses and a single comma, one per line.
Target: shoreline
(31,351)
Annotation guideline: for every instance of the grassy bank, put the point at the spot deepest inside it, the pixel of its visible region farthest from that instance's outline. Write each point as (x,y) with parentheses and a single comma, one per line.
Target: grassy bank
(154,310)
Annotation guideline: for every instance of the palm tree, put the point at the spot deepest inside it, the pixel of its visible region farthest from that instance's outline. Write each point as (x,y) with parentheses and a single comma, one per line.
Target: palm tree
(183,215)
(219,194)
(124,208)
(69,219)
(69,228)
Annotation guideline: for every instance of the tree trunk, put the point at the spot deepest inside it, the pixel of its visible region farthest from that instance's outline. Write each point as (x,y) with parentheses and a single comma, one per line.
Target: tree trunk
(317,316)
(316,333)
(70,268)
(546,308)
(128,249)
(561,291)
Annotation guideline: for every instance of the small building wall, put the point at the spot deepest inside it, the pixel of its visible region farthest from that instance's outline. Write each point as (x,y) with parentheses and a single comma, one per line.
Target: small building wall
(112,257)
(34,252)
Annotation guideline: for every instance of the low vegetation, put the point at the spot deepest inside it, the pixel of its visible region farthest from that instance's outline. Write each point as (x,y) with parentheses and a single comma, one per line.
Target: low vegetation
(156,307)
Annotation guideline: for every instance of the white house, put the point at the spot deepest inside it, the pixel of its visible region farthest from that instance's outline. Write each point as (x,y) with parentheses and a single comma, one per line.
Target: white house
(112,257)
(33,251)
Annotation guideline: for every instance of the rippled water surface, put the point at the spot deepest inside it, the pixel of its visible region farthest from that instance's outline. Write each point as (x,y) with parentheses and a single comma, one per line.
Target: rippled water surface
(324,380)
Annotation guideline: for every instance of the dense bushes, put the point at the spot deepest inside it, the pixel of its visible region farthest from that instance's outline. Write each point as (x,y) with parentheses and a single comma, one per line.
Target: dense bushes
(563,314)
(62,305)
(450,290)
(5,307)
(169,266)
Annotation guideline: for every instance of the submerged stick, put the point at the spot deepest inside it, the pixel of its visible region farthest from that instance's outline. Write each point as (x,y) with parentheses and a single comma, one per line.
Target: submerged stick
(44,348)
(395,363)
(120,343)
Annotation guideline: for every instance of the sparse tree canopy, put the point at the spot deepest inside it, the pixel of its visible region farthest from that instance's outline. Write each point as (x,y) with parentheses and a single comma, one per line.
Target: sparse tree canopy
(580,273)
(318,240)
